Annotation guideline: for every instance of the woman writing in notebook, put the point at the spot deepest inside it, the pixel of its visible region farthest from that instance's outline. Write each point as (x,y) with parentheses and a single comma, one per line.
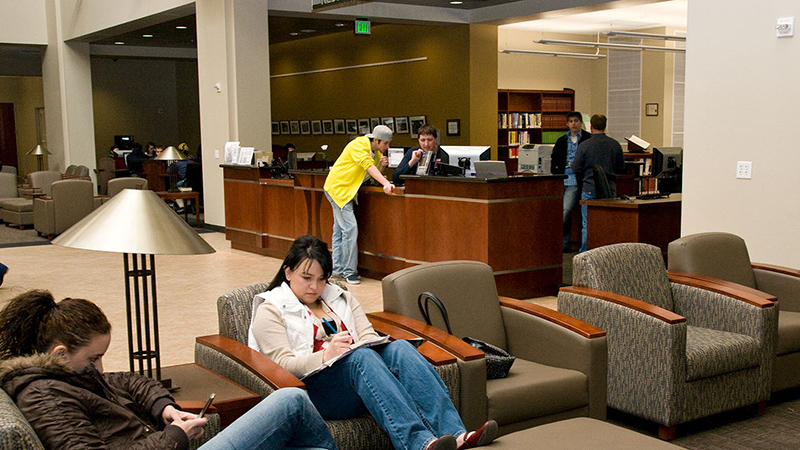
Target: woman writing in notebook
(392,382)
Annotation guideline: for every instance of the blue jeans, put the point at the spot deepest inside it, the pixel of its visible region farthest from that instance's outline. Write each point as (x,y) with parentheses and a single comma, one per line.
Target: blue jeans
(344,243)
(285,419)
(571,195)
(397,386)
(584,196)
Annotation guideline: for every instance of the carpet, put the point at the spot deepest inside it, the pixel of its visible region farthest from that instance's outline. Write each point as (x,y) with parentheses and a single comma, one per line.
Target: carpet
(741,429)
(14,237)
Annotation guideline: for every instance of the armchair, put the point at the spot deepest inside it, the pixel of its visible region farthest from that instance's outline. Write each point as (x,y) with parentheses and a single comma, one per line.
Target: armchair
(39,182)
(8,186)
(560,367)
(70,201)
(678,348)
(228,355)
(116,185)
(724,256)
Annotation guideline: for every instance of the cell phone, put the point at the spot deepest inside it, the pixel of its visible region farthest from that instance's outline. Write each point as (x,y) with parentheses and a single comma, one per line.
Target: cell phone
(208,403)
(329,327)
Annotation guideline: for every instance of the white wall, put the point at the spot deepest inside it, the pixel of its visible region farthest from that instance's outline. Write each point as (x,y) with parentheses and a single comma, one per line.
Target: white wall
(23,22)
(742,97)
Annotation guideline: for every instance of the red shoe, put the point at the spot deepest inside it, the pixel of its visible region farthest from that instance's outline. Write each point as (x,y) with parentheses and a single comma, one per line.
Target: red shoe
(482,436)
(446,442)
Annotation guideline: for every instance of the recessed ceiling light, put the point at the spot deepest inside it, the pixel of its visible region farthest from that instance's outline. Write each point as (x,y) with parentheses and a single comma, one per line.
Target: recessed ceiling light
(339,25)
(456,2)
(147,35)
(308,31)
(181,27)
(294,34)
(119,43)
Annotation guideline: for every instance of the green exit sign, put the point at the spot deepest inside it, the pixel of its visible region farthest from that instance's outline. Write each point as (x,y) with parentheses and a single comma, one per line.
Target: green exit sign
(362,26)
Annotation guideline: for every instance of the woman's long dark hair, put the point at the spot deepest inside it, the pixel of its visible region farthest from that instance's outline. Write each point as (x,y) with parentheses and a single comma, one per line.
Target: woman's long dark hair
(304,248)
(33,323)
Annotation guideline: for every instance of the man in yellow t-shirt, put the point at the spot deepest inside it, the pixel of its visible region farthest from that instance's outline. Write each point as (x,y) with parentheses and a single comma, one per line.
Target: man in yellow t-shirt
(358,159)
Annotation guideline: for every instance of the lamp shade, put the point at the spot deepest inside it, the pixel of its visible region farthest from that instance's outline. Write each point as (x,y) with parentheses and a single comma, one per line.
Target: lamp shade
(38,150)
(170,154)
(135,221)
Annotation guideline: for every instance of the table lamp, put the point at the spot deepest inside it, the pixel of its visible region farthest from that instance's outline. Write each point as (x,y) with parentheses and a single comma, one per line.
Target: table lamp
(171,154)
(39,151)
(138,224)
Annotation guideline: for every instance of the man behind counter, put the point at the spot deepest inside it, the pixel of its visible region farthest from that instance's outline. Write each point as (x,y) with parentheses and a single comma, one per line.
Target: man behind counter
(427,143)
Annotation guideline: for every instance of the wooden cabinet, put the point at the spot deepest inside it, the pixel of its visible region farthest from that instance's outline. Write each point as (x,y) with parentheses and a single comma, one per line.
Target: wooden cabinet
(535,117)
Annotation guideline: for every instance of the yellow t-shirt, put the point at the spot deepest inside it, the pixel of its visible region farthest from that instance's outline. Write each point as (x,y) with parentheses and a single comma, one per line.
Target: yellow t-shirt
(347,173)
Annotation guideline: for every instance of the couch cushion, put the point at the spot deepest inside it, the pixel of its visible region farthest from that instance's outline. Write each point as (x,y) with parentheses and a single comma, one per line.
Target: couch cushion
(18,204)
(15,431)
(788,332)
(535,390)
(711,352)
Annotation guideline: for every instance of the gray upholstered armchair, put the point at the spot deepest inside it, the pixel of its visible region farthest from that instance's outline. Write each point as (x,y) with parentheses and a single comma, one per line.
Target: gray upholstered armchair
(724,256)
(69,202)
(116,185)
(678,348)
(560,366)
(228,355)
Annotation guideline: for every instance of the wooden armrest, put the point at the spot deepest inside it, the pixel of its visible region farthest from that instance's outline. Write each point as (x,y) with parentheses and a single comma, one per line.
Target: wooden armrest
(779,269)
(195,406)
(638,305)
(727,288)
(435,355)
(263,367)
(575,325)
(442,339)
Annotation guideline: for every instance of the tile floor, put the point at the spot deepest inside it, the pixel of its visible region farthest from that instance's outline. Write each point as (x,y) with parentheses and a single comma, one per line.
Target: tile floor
(187,287)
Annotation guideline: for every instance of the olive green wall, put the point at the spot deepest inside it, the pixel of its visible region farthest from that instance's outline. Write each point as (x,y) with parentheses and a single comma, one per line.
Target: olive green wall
(26,94)
(438,87)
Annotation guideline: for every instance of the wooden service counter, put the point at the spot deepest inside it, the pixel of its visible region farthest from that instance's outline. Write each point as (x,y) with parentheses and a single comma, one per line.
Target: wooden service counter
(612,221)
(512,224)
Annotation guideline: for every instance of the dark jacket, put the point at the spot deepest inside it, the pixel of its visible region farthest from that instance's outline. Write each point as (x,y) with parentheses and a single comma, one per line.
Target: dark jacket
(601,150)
(403,169)
(69,410)
(558,161)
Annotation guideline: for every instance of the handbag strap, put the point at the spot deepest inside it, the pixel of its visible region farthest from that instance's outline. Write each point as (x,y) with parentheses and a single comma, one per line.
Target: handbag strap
(426,314)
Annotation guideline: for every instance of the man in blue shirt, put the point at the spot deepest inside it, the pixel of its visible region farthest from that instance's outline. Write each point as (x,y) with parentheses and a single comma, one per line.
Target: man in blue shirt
(563,154)
(427,143)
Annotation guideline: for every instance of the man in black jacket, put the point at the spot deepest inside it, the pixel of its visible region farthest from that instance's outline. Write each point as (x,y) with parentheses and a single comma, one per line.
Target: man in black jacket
(563,154)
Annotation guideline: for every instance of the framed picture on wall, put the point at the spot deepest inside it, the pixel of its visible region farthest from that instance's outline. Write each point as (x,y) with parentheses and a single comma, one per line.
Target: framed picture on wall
(389,122)
(276,128)
(327,126)
(305,127)
(453,127)
(401,125)
(416,122)
(338,126)
(374,122)
(316,127)
(352,126)
(295,125)
(363,126)
(284,127)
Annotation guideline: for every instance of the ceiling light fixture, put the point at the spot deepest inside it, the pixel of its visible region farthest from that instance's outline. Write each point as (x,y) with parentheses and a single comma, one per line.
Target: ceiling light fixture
(629,47)
(181,27)
(456,2)
(663,37)
(147,35)
(119,43)
(339,25)
(562,54)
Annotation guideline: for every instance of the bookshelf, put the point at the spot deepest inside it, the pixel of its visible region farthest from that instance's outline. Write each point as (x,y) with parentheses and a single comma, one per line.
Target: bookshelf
(530,117)
(639,164)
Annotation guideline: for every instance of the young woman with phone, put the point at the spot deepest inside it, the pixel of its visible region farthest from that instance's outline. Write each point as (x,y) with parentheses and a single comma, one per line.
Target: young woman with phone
(51,365)
(393,382)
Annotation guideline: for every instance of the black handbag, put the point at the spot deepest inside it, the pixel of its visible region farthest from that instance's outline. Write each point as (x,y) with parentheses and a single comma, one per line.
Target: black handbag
(498,361)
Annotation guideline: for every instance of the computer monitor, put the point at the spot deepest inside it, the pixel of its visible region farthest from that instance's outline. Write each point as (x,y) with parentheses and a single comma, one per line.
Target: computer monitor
(395,155)
(306,156)
(667,160)
(535,158)
(668,168)
(124,142)
(473,152)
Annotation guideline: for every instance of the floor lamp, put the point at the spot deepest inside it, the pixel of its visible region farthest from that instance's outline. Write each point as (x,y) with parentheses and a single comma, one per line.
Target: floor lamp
(171,155)
(39,151)
(138,224)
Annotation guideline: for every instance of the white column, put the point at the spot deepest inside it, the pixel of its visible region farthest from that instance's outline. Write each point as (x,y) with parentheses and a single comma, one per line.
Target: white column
(234,84)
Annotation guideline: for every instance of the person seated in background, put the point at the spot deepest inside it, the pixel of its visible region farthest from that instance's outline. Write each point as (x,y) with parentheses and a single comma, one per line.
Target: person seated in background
(427,143)
(150,149)
(157,151)
(302,321)
(134,160)
(51,365)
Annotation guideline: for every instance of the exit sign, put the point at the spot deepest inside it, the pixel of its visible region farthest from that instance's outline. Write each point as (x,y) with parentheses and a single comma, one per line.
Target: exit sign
(362,26)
